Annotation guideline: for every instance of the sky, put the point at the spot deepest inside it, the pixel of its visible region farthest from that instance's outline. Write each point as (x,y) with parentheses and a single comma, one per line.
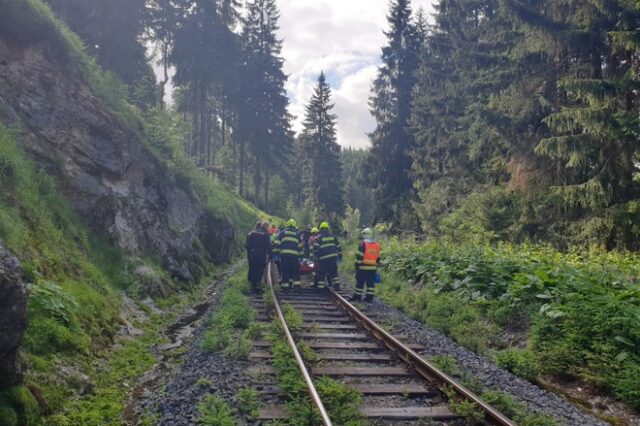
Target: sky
(344,39)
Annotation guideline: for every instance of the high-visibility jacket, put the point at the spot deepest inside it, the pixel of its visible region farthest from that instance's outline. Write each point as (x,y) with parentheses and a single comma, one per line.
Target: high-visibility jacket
(275,244)
(368,256)
(289,243)
(326,246)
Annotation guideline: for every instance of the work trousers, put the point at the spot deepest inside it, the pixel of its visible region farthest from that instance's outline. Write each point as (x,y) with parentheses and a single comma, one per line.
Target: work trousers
(256,269)
(290,271)
(328,270)
(367,278)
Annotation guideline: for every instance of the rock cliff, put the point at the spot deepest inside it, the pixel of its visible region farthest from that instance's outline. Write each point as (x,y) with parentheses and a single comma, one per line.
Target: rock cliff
(106,171)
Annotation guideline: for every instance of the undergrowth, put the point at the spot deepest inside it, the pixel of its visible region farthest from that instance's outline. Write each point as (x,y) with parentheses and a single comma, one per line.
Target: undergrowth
(341,402)
(232,328)
(557,305)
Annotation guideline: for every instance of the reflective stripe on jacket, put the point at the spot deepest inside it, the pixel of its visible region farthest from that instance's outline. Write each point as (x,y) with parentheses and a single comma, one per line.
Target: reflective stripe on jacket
(326,247)
(289,243)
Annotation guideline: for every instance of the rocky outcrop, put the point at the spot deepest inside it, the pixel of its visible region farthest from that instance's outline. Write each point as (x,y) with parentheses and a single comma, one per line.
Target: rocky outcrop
(13,316)
(107,172)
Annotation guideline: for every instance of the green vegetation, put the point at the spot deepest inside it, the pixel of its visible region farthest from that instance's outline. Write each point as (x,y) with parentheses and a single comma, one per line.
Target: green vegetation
(576,312)
(248,403)
(516,411)
(214,411)
(232,328)
(522,122)
(341,402)
(162,130)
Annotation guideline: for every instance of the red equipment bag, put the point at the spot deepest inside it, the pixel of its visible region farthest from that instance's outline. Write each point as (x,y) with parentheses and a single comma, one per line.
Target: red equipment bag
(308,266)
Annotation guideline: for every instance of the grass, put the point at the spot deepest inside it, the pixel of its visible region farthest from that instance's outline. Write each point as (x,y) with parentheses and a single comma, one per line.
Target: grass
(341,402)
(557,304)
(232,328)
(76,277)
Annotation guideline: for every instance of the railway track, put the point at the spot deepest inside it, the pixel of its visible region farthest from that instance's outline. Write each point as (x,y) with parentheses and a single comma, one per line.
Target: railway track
(399,387)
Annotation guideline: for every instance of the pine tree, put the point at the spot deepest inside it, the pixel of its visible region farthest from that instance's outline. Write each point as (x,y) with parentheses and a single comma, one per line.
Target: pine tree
(595,132)
(391,108)
(322,170)
(206,56)
(459,145)
(264,121)
(112,31)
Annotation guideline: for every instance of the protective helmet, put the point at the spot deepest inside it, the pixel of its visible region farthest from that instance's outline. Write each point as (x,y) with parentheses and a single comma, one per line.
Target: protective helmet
(314,230)
(292,223)
(367,233)
(324,225)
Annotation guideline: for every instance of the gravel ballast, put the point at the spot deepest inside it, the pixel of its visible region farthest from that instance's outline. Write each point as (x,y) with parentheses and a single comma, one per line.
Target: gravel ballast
(487,373)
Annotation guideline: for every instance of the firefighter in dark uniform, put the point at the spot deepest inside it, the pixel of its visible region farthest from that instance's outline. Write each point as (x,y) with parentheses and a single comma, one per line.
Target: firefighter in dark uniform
(367,261)
(327,252)
(290,252)
(258,252)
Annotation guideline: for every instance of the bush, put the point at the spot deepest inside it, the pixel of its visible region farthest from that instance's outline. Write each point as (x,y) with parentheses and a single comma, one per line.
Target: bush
(562,301)
(214,411)
(520,362)
(8,416)
(248,402)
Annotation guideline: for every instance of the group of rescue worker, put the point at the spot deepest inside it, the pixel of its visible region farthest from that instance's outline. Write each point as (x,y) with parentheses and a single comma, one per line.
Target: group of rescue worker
(316,248)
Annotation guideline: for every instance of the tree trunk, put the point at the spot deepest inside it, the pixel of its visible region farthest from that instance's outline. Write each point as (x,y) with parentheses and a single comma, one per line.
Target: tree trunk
(242,160)
(203,127)
(266,188)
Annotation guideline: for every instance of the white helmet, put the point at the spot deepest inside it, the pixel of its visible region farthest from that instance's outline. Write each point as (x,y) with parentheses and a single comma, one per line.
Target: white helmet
(367,233)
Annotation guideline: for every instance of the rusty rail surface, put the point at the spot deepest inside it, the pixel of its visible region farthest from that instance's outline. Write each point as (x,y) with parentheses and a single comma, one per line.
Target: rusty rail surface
(424,368)
(313,393)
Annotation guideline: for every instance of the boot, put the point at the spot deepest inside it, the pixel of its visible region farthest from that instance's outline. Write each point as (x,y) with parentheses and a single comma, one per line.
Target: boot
(355,298)
(369,298)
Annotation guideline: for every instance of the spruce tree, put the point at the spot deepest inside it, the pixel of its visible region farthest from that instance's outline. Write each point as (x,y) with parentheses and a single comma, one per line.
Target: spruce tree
(322,169)
(264,122)
(391,108)
(206,56)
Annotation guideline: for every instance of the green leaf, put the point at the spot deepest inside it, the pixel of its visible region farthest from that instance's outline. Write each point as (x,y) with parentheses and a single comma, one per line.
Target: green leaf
(624,340)
(622,356)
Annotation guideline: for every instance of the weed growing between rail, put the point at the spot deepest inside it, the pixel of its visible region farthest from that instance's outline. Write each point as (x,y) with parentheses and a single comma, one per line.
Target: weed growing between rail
(571,313)
(341,402)
(516,411)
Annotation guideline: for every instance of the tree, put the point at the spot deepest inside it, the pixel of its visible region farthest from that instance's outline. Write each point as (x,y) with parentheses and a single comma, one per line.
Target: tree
(322,169)
(206,56)
(358,196)
(112,31)
(391,108)
(264,121)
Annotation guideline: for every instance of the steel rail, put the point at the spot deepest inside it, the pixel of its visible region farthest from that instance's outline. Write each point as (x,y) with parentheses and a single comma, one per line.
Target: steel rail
(313,393)
(427,370)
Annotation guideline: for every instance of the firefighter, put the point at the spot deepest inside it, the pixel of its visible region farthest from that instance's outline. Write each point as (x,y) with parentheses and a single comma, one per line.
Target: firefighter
(367,261)
(258,247)
(327,252)
(290,252)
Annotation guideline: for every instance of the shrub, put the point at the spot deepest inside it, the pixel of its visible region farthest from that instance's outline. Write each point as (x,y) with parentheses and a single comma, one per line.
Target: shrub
(214,411)
(561,301)
(520,362)
(248,402)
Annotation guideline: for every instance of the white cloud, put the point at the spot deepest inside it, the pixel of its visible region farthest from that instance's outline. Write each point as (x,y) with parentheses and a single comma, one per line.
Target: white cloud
(343,38)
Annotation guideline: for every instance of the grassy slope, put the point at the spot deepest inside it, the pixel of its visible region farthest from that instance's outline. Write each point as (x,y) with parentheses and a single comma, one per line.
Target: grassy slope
(576,313)
(75,278)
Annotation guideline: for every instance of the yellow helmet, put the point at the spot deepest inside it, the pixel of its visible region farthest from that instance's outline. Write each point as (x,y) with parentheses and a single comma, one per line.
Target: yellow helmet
(292,223)
(314,230)
(324,225)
